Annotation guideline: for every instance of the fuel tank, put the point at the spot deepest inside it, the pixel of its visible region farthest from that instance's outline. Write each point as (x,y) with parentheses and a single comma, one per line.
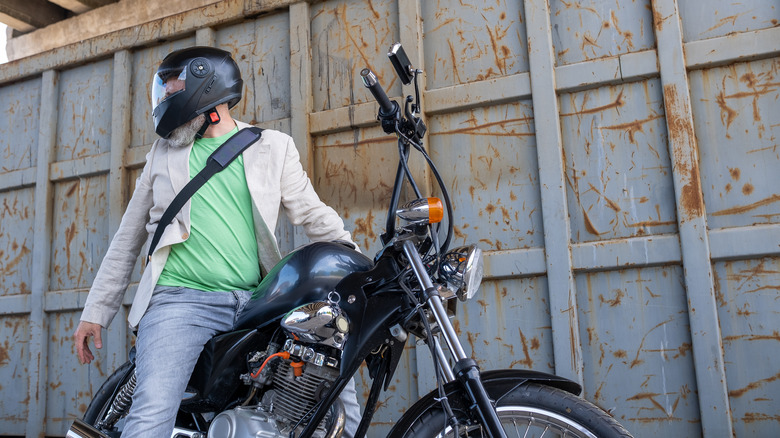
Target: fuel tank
(307,274)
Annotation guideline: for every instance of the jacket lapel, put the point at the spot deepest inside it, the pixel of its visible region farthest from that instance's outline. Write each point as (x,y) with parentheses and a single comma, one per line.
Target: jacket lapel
(179,167)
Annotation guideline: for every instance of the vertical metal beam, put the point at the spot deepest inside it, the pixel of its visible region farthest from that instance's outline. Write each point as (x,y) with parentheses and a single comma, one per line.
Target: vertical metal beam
(37,370)
(205,37)
(411,38)
(692,220)
(117,182)
(567,349)
(301,102)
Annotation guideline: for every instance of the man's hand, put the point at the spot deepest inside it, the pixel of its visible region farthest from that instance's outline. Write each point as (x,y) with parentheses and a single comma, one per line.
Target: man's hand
(81,339)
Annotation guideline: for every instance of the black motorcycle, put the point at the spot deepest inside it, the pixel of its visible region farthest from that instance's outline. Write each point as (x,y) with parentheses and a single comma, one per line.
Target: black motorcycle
(326,308)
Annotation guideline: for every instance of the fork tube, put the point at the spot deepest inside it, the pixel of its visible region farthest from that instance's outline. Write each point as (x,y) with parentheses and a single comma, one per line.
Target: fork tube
(434,301)
(446,370)
(466,368)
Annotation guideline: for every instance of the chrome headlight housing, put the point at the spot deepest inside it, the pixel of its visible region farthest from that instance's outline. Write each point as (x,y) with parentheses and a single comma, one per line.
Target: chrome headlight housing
(462,268)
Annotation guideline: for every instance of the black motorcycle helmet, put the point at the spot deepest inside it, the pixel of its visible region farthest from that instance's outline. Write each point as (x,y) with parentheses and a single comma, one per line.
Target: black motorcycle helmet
(206,78)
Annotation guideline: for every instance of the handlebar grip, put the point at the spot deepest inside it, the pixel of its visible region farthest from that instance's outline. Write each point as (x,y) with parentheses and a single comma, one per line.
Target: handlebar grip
(387,107)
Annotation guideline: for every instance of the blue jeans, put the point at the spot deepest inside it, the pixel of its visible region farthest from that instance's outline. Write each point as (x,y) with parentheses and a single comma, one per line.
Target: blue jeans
(171,336)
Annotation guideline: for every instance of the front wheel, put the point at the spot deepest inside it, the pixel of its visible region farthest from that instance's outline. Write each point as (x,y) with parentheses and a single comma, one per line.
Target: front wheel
(530,410)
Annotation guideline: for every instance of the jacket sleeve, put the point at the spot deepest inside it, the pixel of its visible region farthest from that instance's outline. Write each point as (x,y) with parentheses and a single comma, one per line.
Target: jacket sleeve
(107,291)
(302,204)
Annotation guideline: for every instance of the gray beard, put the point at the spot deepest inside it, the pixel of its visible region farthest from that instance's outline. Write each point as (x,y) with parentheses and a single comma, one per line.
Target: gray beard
(185,134)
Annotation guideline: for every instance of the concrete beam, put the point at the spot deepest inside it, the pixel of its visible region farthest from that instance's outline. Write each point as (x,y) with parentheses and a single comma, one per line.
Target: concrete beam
(95,23)
(28,15)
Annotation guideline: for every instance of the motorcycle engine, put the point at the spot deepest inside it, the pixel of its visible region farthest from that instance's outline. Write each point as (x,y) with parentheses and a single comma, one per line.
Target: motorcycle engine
(298,383)
(291,399)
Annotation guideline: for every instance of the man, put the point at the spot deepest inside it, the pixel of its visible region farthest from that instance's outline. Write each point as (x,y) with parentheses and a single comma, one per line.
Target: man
(216,249)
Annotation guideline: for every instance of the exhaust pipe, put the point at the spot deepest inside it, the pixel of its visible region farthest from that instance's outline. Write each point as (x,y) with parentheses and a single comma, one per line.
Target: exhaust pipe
(80,429)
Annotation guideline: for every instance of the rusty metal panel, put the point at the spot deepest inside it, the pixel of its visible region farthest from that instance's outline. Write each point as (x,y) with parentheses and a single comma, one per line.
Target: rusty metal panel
(83,124)
(79,235)
(714,18)
(14,357)
(145,62)
(71,386)
(16,240)
(507,325)
(637,349)
(261,48)
(348,36)
(488,161)
(595,104)
(20,115)
(353,173)
(735,114)
(618,170)
(747,308)
(468,41)
(592,29)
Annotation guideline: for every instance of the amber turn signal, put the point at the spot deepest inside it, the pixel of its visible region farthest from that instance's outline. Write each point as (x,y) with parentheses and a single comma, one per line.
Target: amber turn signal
(435,210)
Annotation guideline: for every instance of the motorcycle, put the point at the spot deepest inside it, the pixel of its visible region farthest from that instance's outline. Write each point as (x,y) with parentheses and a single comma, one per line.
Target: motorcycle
(326,308)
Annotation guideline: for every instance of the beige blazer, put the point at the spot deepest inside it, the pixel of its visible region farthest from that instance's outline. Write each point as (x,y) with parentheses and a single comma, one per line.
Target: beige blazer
(274,176)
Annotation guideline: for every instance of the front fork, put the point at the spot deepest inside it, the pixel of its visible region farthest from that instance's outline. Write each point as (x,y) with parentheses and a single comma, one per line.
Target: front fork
(465,370)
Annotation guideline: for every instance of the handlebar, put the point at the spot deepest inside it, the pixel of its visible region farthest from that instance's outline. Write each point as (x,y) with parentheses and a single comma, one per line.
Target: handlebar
(387,107)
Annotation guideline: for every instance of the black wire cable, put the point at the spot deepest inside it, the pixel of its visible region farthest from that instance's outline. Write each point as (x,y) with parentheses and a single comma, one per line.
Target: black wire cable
(440,181)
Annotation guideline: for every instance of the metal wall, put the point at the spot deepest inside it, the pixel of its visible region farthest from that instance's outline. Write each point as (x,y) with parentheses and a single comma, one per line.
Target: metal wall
(618,161)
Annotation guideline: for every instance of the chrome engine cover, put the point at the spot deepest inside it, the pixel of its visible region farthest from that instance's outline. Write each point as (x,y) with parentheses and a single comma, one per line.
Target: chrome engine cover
(244,422)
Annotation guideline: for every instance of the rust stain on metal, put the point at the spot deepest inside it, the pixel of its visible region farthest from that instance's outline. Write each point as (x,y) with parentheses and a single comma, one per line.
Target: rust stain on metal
(4,356)
(731,19)
(588,224)
(614,302)
(681,133)
(745,208)
(658,19)
(631,128)
(752,417)
(726,112)
(8,267)
(505,124)
(454,62)
(527,362)
(651,397)
(364,227)
(501,53)
(617,103)
(472,339)
(754,385)
(636,360)
(775,336)
(628,36)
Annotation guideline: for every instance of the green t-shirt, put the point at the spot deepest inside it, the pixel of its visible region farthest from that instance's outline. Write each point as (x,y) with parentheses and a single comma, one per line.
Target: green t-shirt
(220,253)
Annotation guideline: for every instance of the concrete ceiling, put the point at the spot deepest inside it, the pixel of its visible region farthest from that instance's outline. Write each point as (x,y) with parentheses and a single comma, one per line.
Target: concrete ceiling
(25,16)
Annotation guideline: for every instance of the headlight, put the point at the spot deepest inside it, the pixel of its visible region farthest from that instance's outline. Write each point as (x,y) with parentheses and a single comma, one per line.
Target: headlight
(462,268)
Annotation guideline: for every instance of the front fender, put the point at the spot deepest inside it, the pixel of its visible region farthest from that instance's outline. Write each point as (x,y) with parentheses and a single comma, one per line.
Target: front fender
(496,382)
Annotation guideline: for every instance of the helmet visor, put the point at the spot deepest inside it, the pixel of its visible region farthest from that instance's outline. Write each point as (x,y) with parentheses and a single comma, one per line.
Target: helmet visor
(167,83)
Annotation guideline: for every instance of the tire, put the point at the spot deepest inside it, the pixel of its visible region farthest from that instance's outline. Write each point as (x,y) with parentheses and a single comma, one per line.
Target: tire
(526,411)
